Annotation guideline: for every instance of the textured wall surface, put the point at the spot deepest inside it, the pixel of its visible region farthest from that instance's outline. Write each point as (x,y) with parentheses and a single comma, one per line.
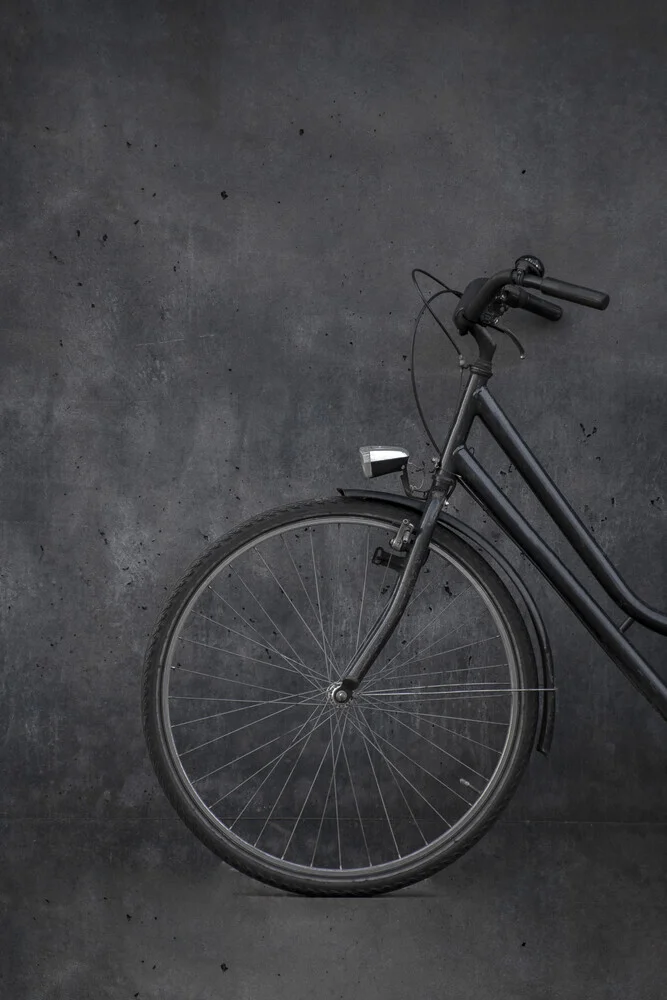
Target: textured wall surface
(209,214)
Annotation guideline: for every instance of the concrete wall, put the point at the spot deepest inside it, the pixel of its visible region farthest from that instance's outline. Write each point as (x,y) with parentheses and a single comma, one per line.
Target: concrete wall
(209,217)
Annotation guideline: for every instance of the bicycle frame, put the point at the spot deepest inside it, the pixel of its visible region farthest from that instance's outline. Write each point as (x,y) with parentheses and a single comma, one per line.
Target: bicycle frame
(457,465)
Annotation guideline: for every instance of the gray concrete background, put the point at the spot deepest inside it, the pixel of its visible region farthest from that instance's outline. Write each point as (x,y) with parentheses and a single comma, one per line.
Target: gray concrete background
(209,217)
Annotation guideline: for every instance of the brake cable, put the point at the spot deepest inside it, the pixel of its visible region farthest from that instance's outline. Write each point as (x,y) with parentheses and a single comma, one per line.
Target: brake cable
(445,290)
(489,319)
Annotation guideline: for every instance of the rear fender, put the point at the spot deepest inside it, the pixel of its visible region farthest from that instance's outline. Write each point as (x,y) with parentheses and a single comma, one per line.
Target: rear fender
(540,639)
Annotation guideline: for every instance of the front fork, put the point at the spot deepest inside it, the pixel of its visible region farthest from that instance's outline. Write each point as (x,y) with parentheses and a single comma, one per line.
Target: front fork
(379,635)
(442,488)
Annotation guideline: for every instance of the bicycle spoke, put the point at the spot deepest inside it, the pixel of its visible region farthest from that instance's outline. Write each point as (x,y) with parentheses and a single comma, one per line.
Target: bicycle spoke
(385,673)
(335,588)
(319,608)
(286,595)
(393,766)
(294,765)
(246,754)
(421,630)
(436,692)
(263,609)
(431,688)
(308,794)
(418,594)
(224,736)
(253,704)
(196,697)
(401,792)
(303,586)
(243,656)
(252,659)
(391,715)
(452,649)
(230,680)
(264,643)
(451,718)
(356,805)
(454,670)
(276,761)
(332,781)
(431,743)
(424,769)
(384,805)
(334,765)
(363,593)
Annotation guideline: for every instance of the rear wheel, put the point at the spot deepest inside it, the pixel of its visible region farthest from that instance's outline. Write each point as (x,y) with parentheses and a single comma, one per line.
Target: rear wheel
(283,782)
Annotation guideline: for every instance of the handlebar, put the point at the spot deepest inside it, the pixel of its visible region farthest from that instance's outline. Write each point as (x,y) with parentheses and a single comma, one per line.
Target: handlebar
(521,299)
(564,290)
(479,294)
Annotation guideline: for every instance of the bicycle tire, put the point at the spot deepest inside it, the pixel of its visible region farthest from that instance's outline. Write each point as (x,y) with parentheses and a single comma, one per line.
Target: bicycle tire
(272,871)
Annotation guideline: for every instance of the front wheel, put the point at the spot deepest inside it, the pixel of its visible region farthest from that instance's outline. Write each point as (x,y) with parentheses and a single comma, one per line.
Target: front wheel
(293,788)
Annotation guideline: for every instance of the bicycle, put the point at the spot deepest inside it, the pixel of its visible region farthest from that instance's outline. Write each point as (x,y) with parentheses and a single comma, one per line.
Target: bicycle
(341,695)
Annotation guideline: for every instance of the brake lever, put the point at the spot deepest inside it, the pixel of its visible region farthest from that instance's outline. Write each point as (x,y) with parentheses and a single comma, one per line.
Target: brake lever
(512,336)
(490,318)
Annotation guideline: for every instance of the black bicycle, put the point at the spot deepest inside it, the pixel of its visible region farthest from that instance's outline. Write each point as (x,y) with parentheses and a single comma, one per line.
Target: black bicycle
(342,695)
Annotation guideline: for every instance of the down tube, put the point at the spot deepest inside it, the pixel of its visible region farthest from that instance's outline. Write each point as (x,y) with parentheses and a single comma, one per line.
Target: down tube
(618,648)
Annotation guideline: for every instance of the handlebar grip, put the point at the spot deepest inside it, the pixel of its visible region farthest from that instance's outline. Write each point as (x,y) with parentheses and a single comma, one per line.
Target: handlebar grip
(521,299)
(564,290)
(541,308)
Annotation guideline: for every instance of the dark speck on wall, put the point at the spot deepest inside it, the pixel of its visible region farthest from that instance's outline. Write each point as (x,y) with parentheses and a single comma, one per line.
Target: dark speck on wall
(223,194)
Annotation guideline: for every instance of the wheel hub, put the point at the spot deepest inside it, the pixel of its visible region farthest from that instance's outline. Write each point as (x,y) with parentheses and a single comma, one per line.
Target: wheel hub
(338,695)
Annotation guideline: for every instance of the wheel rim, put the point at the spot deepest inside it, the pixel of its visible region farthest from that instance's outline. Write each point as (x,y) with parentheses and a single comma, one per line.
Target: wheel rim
(292,779)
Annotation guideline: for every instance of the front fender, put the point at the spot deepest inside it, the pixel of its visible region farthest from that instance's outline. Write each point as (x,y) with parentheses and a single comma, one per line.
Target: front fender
(540,640)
